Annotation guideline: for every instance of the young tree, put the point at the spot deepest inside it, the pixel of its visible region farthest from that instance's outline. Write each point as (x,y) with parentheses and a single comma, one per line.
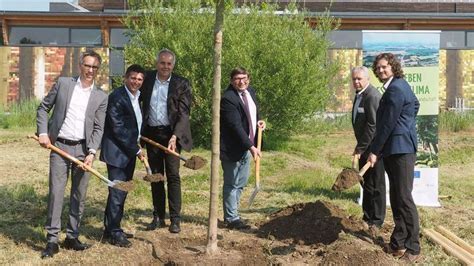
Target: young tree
(287,59)
(216,99)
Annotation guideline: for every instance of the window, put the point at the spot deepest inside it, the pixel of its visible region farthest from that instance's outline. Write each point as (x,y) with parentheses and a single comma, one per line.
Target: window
(118,37)
(346,39)
(37,35)
(452,39)
(90,37)
(470,39)
(116,62)
(55,36)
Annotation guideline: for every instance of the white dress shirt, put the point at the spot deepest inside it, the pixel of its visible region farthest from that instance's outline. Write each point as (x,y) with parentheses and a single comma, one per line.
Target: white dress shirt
(136,108)
(357,103)
(73,125)
(158,103)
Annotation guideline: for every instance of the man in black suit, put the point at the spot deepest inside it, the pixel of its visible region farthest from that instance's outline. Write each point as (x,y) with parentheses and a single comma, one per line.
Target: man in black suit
(166,102)
(120,148)
(396,142)
(238,125)
(364,112)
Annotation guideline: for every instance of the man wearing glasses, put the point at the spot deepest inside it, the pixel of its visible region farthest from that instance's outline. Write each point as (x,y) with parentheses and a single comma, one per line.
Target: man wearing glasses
(76,127)
(239,122)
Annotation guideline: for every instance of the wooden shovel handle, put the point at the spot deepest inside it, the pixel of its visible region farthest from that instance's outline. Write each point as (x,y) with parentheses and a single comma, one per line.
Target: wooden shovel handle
(154,143)
(74,160)
(364,169)
(147,165)
(355,161)
(257,160)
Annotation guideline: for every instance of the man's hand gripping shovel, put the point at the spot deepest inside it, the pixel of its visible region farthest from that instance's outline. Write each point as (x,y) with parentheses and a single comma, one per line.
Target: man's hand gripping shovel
(124,186)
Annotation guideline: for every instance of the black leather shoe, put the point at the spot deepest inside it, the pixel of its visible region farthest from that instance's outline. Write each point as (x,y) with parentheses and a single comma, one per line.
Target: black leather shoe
(50,250)
(74,244)
(106,235)
(120,240)
(156,223)
(238,224)
(174,227)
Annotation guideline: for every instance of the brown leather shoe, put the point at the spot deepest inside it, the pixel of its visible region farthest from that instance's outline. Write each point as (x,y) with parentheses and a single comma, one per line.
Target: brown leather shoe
(410,258)
(394,252)
(374,231)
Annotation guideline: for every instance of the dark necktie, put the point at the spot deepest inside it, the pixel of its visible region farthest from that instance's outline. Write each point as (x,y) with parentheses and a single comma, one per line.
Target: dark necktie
(249,118)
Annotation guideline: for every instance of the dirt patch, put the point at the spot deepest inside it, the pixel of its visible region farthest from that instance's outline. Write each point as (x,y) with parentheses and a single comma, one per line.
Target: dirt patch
(313,223)
(306,233)
(355,252)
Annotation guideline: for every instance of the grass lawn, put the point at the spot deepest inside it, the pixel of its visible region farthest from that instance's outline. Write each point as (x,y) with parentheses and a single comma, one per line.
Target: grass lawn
(300,170)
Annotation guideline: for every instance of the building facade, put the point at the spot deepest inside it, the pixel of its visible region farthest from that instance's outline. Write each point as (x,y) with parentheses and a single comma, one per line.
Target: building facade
(37,47)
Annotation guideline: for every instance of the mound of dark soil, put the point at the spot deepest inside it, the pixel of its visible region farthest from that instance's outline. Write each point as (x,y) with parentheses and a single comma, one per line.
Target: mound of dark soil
(313,223)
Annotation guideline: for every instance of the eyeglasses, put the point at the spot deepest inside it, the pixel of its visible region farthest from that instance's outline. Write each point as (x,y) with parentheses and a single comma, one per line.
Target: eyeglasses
(95,68)
(239,79)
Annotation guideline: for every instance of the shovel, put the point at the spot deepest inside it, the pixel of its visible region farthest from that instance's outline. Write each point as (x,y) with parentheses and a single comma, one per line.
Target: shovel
(150,177)
(257,168)
(124,186)
(349,177)
(195,162)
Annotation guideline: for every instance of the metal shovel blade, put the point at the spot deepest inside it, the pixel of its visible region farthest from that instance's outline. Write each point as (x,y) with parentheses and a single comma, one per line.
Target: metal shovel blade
(252,197)
(121,185)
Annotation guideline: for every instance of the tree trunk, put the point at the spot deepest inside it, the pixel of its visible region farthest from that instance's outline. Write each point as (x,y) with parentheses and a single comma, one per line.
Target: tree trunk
(216,98)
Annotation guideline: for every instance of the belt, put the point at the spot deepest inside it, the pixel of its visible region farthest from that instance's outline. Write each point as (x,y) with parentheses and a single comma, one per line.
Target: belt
(160,127)
(71,142)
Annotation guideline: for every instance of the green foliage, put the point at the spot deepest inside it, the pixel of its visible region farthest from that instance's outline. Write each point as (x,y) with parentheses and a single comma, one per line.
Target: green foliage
(455,121)
(19,115)
(287,60)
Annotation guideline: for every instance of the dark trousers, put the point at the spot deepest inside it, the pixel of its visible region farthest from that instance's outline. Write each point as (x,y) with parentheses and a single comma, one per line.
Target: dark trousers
(161,162)
(116,199)
(374,197)
(400,169)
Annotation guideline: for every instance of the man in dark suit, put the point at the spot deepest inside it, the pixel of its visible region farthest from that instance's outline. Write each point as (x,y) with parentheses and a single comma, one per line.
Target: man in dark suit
(364,112)
(166,104)
(120,148)
(396,142)
(238,126)
(76,126)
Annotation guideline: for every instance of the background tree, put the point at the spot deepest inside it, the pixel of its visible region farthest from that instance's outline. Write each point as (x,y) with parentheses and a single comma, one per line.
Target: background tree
(287,59)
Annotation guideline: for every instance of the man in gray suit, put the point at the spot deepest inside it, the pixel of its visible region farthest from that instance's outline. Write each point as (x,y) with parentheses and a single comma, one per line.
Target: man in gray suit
(364,113)
(76,126)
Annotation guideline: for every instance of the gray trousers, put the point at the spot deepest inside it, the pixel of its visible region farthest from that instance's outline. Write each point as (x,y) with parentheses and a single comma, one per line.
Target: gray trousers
(59,170)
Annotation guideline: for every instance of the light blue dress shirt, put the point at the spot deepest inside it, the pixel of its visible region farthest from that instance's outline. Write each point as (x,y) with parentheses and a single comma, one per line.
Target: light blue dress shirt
(158,104)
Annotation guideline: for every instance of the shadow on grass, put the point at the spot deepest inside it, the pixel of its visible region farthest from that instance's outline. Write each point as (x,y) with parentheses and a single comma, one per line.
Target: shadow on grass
(23,213)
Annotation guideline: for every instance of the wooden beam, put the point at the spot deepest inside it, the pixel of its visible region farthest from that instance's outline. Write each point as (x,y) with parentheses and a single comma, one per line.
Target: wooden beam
(455,239)
(105,33)
(5,31)
(451,248)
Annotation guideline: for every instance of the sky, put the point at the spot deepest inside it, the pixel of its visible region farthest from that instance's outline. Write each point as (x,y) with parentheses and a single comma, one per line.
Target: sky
(28,5)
